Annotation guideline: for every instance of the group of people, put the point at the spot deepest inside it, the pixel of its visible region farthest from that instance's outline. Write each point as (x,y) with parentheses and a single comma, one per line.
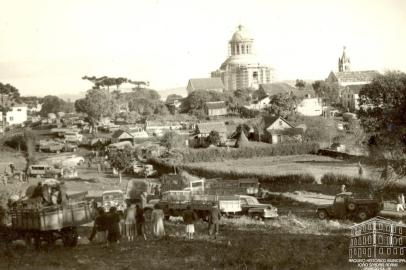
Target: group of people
(110,228)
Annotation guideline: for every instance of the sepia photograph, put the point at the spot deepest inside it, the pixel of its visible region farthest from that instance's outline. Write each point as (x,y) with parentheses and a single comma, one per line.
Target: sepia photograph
(202,134)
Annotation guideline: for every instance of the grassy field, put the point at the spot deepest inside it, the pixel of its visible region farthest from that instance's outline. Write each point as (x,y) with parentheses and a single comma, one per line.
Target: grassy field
(281,165)
(287,243)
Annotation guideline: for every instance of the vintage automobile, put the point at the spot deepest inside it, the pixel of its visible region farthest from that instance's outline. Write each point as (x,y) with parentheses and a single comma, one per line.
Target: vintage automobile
(251,207)
(44,170)
(114,198)
(347,205)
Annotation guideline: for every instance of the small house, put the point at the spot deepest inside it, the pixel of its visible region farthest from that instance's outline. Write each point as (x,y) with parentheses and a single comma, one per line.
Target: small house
(216,108)
(17,115)
(279,130)
(122,136)
(203,131)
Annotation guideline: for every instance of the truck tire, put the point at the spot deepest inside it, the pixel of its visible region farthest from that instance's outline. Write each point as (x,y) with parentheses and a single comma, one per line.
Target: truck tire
(362,215)
(351,206)
(322,214)
(256,216)
(69,237)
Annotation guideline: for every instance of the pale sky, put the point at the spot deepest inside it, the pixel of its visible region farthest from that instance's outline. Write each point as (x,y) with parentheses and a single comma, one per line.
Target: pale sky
(46,46)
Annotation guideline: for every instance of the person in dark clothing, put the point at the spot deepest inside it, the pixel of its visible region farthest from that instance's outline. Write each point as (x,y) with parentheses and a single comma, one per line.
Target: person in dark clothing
(214,220)
(140,221)
(113,226)
(189,217)
(99,226)
(38,192)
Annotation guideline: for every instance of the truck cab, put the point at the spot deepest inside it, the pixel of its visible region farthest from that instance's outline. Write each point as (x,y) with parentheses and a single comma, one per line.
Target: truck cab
(114,198)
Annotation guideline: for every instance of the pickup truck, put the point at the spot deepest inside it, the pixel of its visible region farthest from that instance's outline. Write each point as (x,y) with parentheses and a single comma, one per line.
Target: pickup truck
(346,205)
(251,207)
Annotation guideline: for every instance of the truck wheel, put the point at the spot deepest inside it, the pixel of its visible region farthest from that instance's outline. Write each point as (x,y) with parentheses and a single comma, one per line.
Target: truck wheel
(351,206)
(69,237)
(322,214)
(362,215)
(256,216)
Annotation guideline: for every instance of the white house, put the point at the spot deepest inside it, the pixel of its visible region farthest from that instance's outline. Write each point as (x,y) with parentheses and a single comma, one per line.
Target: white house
(280,130)
(310,107)
(260,104)
(17,115)
(349,97)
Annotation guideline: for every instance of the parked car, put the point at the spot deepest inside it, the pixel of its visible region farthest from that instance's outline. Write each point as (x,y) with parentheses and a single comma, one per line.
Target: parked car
(73,160)
(43,170)
(252,207)
(346,205)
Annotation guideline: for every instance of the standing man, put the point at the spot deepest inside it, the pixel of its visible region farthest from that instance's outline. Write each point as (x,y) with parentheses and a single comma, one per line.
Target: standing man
(140,221)
(214,220)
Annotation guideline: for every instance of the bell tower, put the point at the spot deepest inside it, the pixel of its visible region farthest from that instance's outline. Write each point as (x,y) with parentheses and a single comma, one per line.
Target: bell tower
(344,63)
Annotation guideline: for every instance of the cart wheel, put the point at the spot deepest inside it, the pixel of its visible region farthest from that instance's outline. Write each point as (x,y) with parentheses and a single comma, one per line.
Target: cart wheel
(69,237)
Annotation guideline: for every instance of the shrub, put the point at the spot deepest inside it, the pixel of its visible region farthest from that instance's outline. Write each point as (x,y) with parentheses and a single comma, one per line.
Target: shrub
(249,151)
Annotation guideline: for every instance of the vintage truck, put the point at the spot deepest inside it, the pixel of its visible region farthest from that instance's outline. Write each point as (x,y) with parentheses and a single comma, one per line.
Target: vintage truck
(347,205)
(174,202)
(32,219)
(114,198)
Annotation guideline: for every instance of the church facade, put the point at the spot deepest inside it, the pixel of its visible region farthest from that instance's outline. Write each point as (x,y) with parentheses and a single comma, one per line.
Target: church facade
(242,69)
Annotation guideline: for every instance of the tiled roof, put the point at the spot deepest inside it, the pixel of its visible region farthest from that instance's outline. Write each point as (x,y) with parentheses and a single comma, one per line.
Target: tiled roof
(206,84)
(356,76)
(215,105)
(118,133)
(206,128)
(269,120)
(276,88)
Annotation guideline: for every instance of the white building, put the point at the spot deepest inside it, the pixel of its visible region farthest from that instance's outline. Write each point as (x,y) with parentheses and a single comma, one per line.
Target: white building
(260,104)
(242,69)
(310,107)
(17,115)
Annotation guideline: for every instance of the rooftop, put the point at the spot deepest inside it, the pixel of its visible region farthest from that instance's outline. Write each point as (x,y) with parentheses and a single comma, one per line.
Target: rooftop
(356,76)
(206,84)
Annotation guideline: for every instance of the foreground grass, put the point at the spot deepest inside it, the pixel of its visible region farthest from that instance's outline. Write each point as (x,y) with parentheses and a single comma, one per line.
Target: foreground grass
(241,245)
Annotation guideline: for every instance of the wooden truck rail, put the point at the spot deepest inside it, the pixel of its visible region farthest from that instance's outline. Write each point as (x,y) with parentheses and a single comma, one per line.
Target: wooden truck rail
(49,223)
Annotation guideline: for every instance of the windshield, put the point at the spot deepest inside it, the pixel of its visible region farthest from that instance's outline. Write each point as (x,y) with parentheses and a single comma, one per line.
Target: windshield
(113,196)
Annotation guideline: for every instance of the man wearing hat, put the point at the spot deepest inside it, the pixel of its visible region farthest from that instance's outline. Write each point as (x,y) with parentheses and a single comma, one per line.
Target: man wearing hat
(214,220)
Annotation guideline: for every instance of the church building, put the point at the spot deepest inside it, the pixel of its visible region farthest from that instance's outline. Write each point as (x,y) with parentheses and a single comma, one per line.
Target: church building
(242,69)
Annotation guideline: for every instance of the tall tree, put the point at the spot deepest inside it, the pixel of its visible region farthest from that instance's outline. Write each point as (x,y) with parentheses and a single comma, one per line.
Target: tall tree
(327,91)
(122,160)
(383,117)
(8,96)
(281,105)
(53,104)
(300,84)
(98,103)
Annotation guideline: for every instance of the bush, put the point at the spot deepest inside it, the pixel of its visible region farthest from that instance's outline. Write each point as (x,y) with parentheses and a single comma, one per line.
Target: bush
(249,151)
